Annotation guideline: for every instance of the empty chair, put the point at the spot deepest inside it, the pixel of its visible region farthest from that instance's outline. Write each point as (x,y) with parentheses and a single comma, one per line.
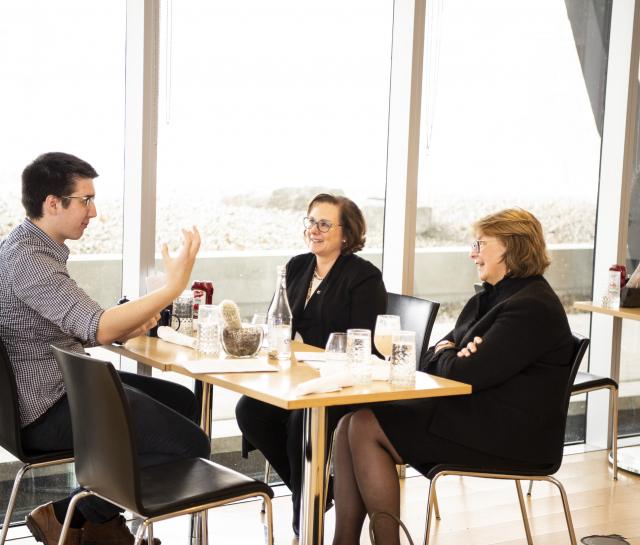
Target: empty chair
(107,460)
(588,382)
(10,437)
(520,473)
(417,315)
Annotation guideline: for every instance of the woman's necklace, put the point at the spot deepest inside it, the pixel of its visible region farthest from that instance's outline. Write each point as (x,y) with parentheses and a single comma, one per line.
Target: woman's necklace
(315,282)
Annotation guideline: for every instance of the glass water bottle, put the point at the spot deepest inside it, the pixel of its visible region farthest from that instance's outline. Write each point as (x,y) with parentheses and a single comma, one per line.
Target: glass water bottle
(279,320)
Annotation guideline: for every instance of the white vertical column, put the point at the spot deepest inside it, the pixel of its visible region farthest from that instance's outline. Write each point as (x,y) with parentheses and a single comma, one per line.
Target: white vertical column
(141,143)
(613,207)
(403,145)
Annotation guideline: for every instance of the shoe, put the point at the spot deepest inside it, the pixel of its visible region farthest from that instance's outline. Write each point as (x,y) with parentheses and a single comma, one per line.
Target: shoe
(112,532)
(45,527)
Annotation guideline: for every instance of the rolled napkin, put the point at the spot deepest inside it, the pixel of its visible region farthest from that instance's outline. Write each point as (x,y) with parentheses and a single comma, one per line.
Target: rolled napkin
(172,336)
(330,383)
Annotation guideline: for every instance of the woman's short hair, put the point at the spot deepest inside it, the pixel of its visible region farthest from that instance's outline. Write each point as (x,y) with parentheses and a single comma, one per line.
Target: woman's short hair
(354,227)
(521,232)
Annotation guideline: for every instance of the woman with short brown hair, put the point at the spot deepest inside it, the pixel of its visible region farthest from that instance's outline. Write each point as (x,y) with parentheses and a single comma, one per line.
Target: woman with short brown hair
(511,342)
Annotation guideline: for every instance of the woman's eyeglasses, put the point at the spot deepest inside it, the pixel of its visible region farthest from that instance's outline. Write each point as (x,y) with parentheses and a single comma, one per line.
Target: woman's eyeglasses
(476,245)
(323,225)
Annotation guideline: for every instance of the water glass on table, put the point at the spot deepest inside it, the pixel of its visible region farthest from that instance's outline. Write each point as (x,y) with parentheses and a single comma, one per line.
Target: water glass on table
(208,330)
(386,325)
(335,354)
(182,315)
(359,355)
(403,358)
(261,320)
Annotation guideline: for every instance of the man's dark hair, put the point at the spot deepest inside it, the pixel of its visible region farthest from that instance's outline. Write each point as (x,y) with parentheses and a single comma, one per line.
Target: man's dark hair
(53,173)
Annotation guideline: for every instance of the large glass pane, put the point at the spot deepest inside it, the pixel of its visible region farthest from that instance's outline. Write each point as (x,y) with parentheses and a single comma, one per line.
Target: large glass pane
(62,73)
(513,110)
(263,105)
(629,423)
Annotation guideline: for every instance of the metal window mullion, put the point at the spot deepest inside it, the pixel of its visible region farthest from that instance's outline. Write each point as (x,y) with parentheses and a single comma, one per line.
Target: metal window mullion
(141,143)
(405,95)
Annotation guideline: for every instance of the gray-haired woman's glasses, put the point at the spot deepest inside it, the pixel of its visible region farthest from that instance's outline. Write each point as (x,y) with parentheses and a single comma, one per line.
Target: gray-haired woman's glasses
(324,226)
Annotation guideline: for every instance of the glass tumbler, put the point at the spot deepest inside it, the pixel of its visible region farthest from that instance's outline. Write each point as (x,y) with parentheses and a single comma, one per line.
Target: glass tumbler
(403,358)
(335,354)
(208,330)
(359,355)
(182,315)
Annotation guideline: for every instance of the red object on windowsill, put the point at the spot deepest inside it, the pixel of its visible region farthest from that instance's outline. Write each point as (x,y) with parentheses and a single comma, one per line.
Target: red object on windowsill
(623,274)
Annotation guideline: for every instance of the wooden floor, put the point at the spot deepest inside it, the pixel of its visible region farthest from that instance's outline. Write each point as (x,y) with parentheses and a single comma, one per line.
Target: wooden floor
(474,511)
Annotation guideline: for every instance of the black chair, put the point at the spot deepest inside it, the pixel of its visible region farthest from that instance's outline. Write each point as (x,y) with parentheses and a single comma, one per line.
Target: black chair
(107,462)
(10,437)
(588,382)
(519,474)
(417,315)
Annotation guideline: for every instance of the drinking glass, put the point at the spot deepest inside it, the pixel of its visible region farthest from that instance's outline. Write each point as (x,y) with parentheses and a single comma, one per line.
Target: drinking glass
(386,325)
(261,320)
(182,314)
(208,330)
(335,354)
(359,355)
(403,358)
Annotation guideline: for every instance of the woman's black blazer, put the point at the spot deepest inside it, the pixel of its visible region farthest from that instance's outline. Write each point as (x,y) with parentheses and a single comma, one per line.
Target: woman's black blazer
(519,375)
(351,296)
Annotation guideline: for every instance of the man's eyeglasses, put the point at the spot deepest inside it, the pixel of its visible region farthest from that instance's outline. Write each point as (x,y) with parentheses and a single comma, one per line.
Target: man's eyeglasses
(476,245)
(86,201)
(323,225)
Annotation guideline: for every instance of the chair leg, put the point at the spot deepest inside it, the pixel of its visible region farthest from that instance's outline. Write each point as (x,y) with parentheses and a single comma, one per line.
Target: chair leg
(436,507)
(267,471)
(266,501)
(614,431)
(140,533)
(523,510)
(67,519)
(427,529)
(530,488)
(12,502)
(565,505)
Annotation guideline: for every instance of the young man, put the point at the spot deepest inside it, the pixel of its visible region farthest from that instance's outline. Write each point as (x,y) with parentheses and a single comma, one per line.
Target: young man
(40,306)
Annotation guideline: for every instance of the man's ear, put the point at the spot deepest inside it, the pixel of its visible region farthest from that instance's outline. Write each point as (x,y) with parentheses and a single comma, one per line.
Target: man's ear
(51,205)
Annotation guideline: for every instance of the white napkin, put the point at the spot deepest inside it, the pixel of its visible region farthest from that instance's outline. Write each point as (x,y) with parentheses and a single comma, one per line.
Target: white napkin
(331,383)
(170,335)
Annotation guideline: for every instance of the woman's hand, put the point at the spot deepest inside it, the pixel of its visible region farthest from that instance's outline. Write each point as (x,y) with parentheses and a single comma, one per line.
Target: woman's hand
(471,348)
(443,345)
(178,269)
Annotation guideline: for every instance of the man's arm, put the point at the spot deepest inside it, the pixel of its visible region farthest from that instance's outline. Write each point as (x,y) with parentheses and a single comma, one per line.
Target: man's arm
(135,317)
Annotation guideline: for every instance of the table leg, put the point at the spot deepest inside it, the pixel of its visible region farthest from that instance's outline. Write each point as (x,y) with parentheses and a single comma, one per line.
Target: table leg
(314,440)
(143,369)
(199,523)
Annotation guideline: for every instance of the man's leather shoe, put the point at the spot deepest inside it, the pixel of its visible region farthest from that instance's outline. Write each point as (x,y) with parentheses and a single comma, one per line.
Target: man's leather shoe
(45,527)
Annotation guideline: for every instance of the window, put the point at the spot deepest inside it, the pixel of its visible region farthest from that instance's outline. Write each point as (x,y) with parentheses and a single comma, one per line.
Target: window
(513,105)
(262,106)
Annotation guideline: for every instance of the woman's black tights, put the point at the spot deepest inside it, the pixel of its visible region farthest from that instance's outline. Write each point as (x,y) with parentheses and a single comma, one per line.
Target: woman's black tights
(366,480)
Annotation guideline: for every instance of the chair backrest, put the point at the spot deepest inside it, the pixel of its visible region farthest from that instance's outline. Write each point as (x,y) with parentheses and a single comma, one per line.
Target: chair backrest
(580,345)
(416,315)
(9,415)
(103,439)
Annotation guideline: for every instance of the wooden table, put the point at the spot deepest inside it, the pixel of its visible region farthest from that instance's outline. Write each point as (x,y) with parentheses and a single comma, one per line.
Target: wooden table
(279,389)
(628,457)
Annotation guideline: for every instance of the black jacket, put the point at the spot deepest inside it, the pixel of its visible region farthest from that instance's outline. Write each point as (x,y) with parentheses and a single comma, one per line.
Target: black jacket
(350,296)
(519,373)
